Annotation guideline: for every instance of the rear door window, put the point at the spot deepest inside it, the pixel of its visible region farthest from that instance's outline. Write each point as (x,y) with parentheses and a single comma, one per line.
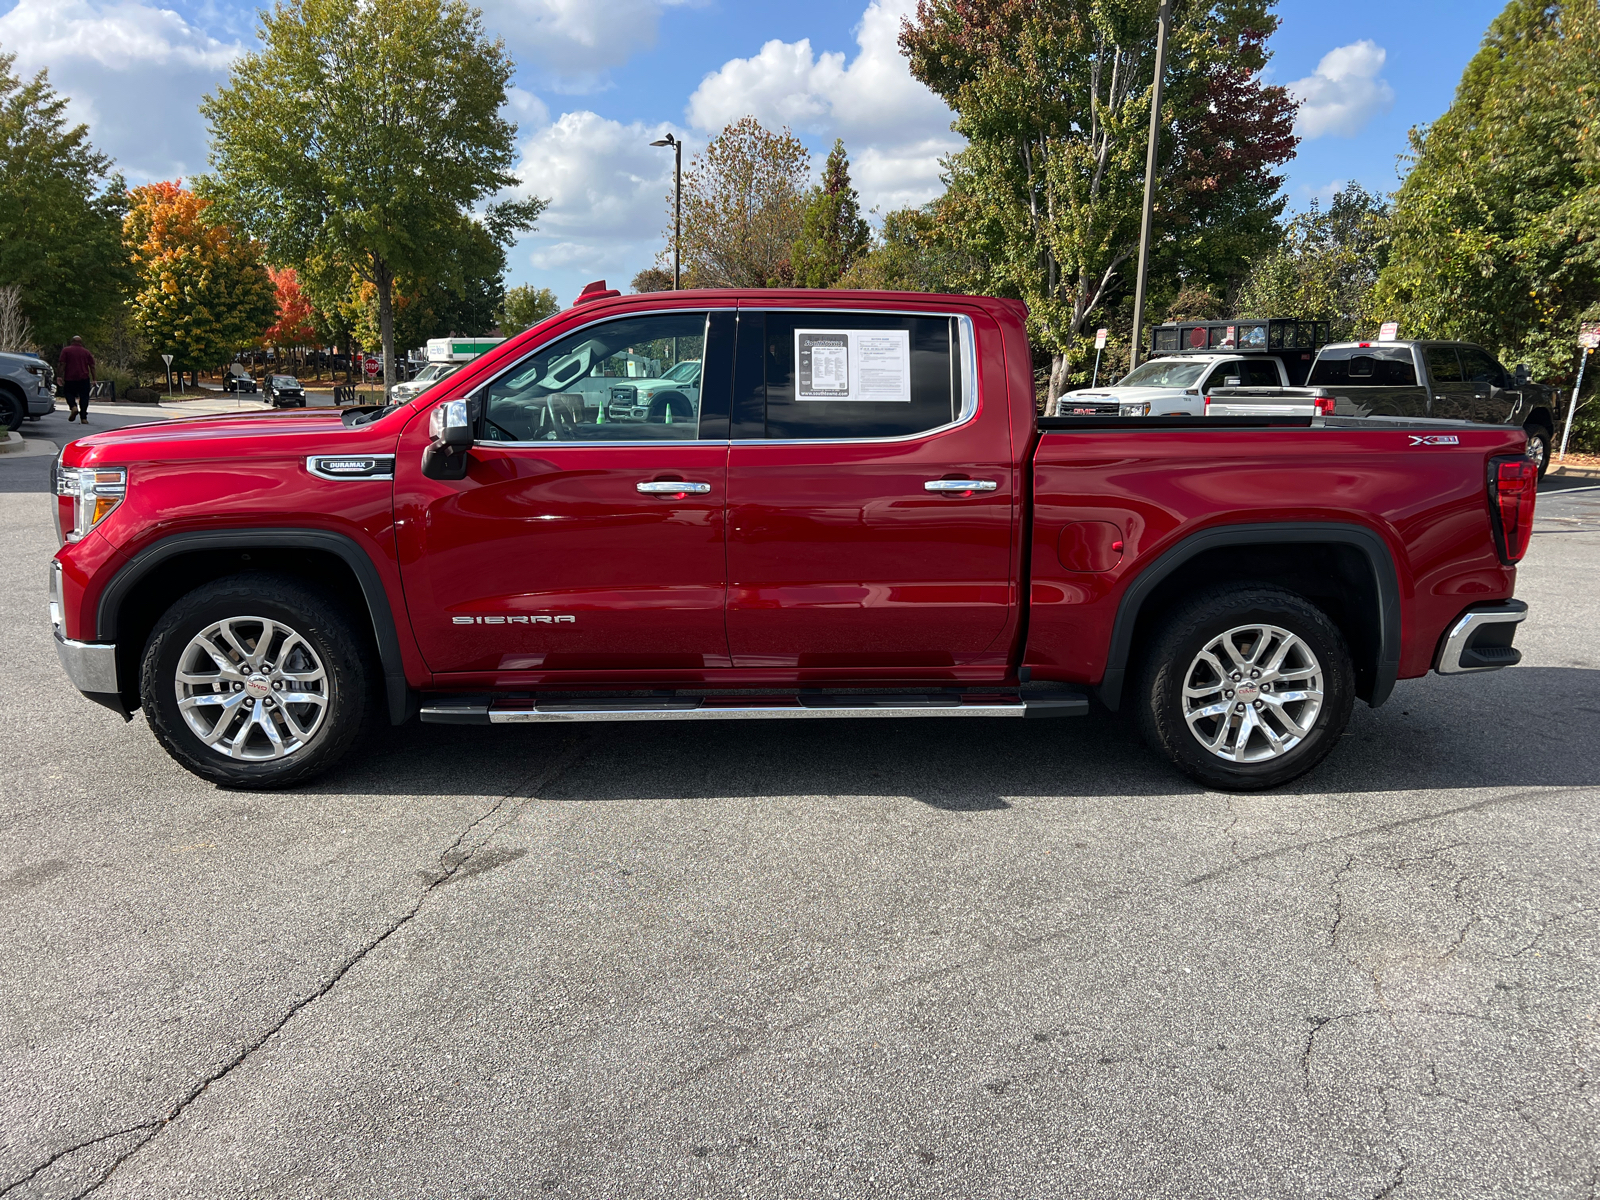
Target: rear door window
(1261,372)
(829,375)
(1443,366)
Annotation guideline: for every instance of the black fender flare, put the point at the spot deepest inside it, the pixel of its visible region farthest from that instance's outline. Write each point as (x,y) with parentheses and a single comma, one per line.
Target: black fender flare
(397,692)
(1369,543)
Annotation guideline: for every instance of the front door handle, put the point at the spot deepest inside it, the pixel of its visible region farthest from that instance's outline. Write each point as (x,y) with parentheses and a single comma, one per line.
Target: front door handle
(673,487)
(961,485)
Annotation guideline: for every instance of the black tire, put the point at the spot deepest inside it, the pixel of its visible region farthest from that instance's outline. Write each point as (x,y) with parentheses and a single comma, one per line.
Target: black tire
(1175,658)
(328,635)
(1539,439)
(675,402)
(13,409)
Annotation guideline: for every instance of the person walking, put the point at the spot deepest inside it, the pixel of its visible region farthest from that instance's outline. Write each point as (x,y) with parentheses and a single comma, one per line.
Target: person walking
(77,377)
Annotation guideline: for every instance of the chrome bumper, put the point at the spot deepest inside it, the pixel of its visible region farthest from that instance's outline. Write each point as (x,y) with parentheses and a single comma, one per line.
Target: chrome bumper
(92,666)
(1480,640)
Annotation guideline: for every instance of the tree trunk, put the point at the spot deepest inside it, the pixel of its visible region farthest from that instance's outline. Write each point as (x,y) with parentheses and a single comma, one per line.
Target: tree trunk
(383,280)
(1059,366)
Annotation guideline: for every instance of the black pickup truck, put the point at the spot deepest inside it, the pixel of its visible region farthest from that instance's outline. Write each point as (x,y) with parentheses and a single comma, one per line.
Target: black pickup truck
(1455,381)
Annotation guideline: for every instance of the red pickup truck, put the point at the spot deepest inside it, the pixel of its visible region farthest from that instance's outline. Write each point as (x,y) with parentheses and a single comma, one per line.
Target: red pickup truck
(722,504)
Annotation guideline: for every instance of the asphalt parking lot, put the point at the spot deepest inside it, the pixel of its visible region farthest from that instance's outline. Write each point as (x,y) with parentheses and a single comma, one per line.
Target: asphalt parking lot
(777,959)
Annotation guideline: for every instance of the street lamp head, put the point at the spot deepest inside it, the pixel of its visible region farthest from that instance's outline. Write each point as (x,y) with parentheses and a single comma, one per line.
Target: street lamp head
(669,140)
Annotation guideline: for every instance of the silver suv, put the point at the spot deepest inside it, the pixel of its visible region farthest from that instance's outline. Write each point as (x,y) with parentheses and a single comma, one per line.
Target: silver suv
(27,388)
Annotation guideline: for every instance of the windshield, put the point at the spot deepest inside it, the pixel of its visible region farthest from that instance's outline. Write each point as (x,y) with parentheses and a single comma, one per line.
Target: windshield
(685,372)
(1165,373)
(288,381)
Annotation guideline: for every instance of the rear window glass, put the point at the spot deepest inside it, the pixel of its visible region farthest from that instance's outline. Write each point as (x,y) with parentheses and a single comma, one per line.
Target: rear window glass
(1365,366)
(858,375)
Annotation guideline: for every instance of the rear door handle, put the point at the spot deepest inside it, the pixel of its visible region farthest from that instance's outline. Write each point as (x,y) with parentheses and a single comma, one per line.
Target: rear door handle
(673,487)
(961,485)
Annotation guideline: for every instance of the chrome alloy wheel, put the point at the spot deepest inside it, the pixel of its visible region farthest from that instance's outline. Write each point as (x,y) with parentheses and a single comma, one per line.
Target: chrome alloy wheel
(1252,694)
(251,688)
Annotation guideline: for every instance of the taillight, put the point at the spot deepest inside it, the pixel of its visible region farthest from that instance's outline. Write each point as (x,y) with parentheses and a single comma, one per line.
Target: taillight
(1513,486)
(1325,405)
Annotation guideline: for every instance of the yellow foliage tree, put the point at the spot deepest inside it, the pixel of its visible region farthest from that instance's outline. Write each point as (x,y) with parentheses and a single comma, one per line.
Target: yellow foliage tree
(204,293)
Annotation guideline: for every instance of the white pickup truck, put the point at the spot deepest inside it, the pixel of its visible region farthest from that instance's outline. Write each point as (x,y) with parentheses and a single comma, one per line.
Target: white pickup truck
(27,389)
(1178,385)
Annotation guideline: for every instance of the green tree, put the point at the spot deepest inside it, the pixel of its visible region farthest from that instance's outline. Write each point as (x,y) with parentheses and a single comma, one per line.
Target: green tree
(743,203)
(1495,226)
(524,307)
(366,131)
(652,279)
(1327,266)
(61,211)
(204,292)
(916,253)
(833,234)
(1053,97)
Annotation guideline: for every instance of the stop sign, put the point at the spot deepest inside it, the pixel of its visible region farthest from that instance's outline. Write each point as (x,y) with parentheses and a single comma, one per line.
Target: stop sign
(371,366)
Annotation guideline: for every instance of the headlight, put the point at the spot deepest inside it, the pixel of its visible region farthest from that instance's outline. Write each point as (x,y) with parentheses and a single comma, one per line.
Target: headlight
(95,493)
(1134,410)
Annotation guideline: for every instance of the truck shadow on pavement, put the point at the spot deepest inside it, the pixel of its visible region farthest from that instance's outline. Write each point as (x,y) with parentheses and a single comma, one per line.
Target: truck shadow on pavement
(1526,726)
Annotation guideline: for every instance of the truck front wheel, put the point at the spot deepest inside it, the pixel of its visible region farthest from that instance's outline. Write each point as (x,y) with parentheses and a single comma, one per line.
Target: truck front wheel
(1246,687)
(255,681)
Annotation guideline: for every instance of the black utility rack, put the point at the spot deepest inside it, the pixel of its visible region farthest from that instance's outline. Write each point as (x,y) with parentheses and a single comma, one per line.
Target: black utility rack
(1293,340)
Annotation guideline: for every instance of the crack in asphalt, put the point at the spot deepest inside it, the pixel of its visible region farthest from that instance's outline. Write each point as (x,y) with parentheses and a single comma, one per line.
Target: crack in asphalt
(1398,1180)
(456,856)
(1386,827)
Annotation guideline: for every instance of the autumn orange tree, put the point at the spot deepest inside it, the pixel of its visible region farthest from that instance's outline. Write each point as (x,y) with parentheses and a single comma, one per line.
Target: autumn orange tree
(203,290)
(296,323)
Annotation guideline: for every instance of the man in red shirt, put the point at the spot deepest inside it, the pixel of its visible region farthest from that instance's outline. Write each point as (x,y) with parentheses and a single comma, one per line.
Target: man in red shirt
(77,374)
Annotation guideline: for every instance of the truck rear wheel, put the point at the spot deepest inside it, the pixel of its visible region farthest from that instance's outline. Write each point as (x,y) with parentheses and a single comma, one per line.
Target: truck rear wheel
(1246,687)
(1538,450)
(255,681)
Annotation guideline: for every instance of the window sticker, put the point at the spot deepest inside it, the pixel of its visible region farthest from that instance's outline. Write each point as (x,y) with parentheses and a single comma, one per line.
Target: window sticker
(853,364)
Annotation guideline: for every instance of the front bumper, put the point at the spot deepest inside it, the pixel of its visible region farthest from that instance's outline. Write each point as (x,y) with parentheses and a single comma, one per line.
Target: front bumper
(91,666)
(1480,639)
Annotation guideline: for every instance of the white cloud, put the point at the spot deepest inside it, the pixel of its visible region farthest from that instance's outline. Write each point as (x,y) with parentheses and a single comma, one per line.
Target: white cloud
(893,126)
(576,43)
(134,73)
(607,188)
(1344,93)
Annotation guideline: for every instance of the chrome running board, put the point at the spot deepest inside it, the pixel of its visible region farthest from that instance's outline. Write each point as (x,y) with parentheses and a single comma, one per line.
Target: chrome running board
(485,710)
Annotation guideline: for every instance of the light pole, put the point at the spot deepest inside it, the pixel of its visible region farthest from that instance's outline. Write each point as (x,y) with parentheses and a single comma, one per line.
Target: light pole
(677,206)
(1163,27)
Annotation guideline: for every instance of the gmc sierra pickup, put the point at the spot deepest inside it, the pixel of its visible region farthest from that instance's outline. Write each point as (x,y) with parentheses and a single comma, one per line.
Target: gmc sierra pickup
(856,513)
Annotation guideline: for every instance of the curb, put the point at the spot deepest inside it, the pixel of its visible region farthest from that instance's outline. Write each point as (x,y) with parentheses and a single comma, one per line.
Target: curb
(13,444)
(1575,472)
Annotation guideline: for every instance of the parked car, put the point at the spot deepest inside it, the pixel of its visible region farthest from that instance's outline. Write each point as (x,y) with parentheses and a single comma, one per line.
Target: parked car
(863,519)
(285,391)
(27,389)
(424,379)
(1451,381)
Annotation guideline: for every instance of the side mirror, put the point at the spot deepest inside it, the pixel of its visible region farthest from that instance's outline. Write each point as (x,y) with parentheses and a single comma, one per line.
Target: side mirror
(1231,381)
(1523,375)
(450,427)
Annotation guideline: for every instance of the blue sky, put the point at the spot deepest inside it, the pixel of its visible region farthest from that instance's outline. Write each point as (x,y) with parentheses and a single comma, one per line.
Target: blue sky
(599,79)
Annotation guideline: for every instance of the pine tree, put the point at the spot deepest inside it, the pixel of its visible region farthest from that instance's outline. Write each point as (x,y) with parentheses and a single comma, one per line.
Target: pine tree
(833,235)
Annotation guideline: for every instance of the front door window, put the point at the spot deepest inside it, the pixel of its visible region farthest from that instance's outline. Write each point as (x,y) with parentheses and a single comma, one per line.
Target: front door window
(635,379)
